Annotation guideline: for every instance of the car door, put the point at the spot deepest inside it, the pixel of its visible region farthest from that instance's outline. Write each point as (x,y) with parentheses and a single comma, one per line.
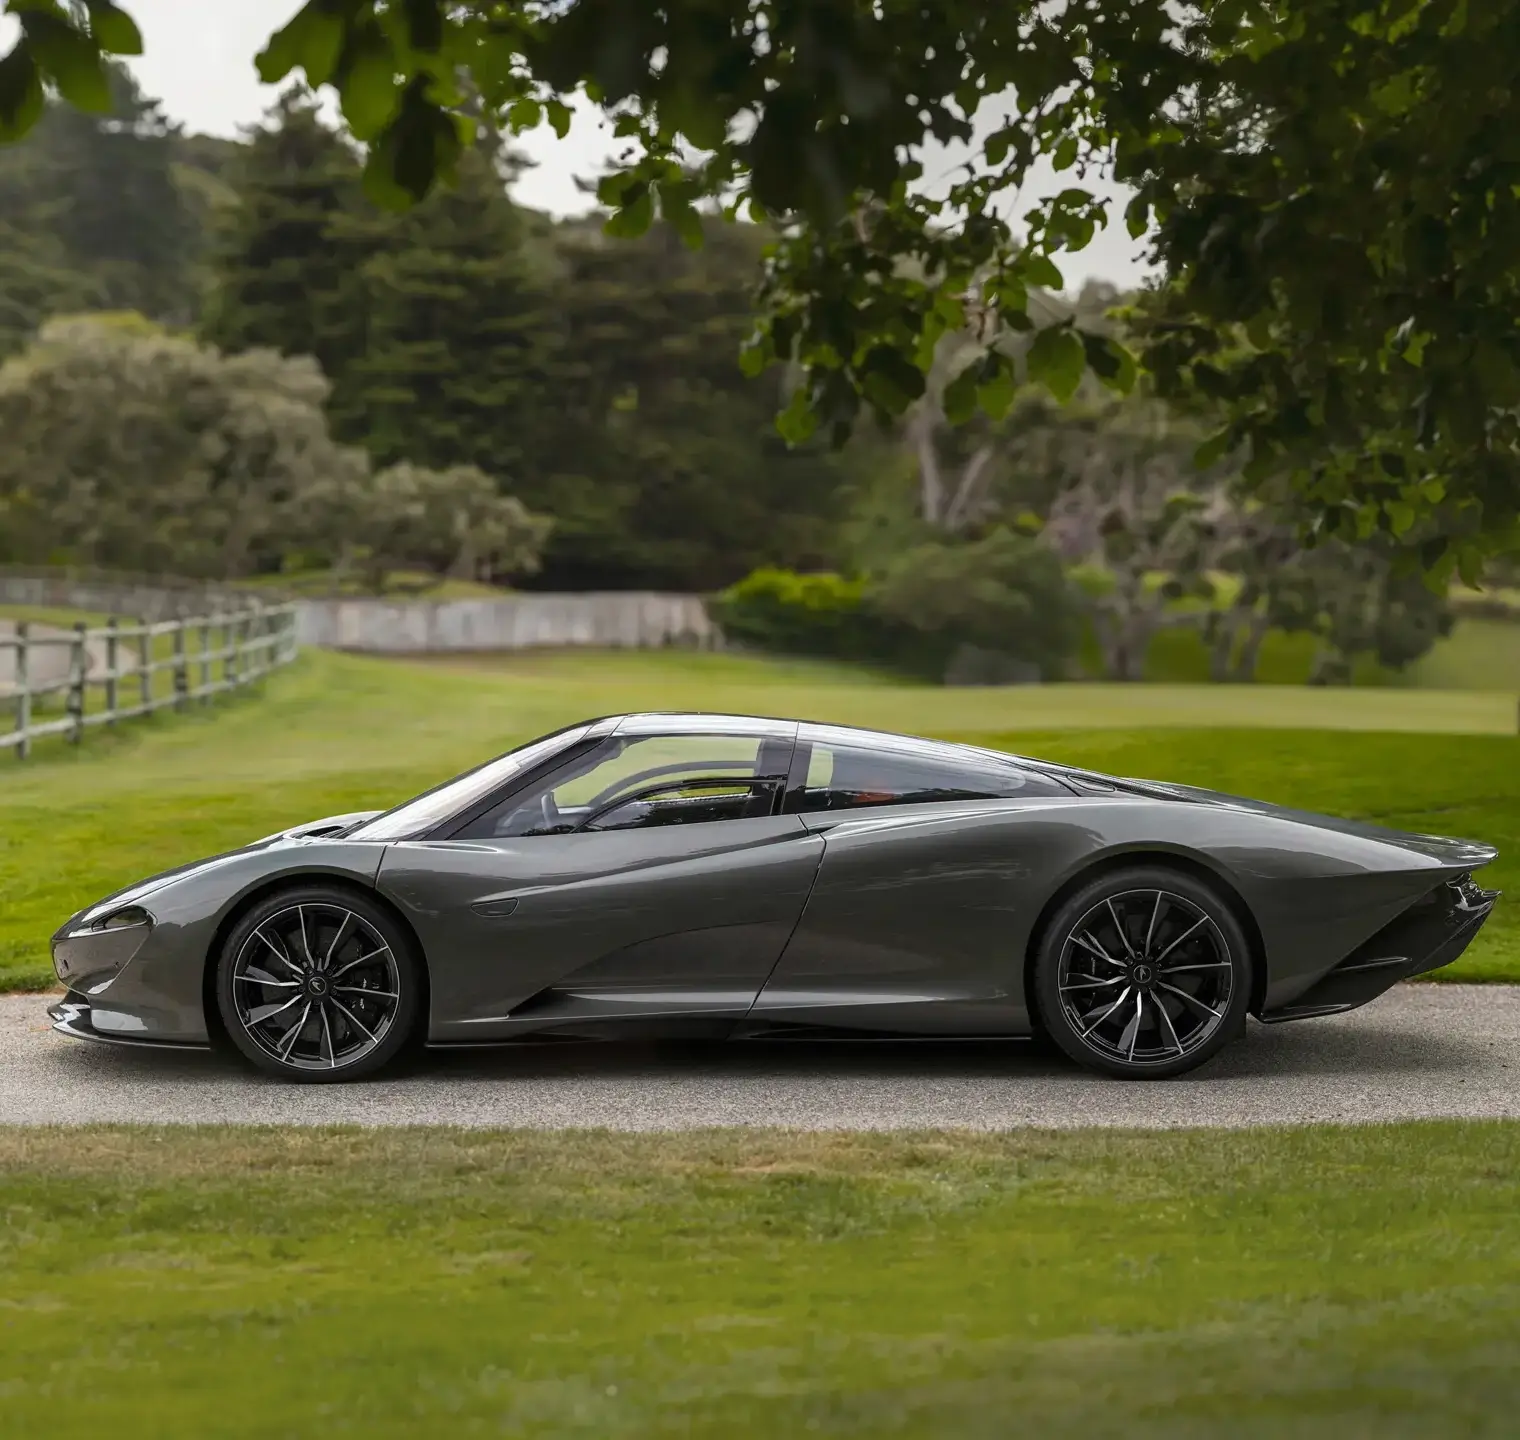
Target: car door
(650,875)
(931,853)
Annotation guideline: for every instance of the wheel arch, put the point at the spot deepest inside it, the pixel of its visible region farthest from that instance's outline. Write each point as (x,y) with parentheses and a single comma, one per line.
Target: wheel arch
(1187,864)
(332,880)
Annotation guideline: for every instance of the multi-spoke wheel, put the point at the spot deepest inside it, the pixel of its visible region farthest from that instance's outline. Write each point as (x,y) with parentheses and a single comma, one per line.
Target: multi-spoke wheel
(1143,973)
(318,984)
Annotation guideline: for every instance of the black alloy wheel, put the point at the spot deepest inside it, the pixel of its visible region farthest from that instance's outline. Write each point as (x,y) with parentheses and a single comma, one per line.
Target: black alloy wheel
(1143,974)
(318,984)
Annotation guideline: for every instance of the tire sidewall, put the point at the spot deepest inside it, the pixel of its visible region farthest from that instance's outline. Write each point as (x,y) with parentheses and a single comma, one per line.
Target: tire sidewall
(1046,978)
(409,1008)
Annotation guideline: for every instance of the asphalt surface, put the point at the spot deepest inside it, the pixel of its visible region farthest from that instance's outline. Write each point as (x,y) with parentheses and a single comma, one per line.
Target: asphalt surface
(1421,1051)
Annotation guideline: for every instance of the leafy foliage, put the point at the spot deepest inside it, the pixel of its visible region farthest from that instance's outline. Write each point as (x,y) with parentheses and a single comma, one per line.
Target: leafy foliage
(131,448)
(1003,595)
(598,382)
(93,215)
(1330,183)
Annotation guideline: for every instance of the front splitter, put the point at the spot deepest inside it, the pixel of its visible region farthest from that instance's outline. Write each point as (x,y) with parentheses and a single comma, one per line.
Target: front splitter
(72,1018)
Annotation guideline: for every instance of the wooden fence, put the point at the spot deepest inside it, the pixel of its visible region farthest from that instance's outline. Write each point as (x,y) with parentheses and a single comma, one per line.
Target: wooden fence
(199,656)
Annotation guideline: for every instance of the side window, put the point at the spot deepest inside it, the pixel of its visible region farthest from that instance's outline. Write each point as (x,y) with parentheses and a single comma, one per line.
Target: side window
(850,776)
(636,781)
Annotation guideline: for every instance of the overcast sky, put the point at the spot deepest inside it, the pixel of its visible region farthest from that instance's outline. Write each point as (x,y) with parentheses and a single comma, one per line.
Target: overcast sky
(199,62)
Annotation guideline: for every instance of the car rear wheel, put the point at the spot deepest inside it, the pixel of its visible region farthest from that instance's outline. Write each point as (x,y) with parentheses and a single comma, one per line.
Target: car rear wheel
(318,984)
(1143,973)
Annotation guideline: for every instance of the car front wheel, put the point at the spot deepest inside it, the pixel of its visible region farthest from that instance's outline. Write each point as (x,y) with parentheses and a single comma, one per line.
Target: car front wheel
(318,984)
(1143,973)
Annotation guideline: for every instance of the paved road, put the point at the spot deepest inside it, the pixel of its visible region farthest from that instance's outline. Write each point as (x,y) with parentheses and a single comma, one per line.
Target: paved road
(1434,1050)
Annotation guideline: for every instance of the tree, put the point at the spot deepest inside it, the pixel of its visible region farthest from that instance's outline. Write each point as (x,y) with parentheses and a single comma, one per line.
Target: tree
(658,457)
(1120,500)
(1003,595)
(129,447)
(445,522)
(1331,188)
(92,215)
(283,279)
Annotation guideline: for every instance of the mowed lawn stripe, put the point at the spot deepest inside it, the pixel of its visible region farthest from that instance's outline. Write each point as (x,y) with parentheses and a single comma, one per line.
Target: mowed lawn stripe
(339,733)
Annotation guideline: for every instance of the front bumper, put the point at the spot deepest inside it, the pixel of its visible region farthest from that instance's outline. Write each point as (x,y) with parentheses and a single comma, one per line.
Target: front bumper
(75,1017)
(130,984)
(1433,932)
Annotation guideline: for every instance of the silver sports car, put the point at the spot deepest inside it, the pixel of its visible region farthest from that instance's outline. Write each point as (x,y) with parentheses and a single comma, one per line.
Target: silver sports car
(726,875)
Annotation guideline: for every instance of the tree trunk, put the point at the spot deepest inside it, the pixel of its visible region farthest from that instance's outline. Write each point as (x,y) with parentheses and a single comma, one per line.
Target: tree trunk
(1219,633)
(960,506)
(931,487)
(1250,650)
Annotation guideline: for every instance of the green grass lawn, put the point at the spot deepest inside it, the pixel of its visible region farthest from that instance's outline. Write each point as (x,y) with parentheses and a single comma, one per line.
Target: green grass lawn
(1481,653)
(337,733)
(1329,1282)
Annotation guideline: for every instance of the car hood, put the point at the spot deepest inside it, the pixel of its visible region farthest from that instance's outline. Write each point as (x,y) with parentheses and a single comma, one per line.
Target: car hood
(1443,849)
(324,828)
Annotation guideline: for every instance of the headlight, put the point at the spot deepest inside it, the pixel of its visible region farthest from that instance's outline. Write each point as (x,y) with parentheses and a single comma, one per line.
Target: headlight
(122,919)
(90,957)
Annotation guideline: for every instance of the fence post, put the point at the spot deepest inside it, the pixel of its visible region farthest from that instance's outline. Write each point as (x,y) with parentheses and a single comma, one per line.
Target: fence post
(181,668)
(113,657)
(229,650)
(251,667)
(144,666)
(23,691)
(205,662)
(78,657)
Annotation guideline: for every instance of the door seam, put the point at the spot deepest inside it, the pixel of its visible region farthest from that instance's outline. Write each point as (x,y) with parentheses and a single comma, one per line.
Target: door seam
(791,934)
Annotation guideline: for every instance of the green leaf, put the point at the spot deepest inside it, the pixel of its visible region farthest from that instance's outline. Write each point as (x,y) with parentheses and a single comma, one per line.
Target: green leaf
(1041,270)
(70,60)
(559,116)
(1110,362)
(890,380)
(525,113)
(610,188)
(1065,154)
(22,99)
(424,25)
(634,216)
(367,87)
(1401,515)
(756,354)
(1214,449)
(684,220)
(799,421)
(114,30)
(959,399)
(996,395)
(313,41)
(1056,361)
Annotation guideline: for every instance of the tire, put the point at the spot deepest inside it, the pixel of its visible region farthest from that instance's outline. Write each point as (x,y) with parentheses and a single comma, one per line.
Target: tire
(286,956)
(1143,973)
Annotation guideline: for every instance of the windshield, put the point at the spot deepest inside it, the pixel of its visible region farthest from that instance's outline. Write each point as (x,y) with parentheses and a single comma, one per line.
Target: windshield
(425,811)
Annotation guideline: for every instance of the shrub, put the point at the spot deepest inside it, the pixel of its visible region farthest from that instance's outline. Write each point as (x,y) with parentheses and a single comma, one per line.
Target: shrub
(782,611)
(1003,597)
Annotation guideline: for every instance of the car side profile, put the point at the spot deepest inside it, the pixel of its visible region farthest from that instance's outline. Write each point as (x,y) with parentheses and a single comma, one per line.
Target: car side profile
(748,877)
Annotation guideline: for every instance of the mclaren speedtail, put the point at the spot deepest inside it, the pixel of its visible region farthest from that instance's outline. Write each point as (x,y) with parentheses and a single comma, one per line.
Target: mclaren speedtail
(730,876)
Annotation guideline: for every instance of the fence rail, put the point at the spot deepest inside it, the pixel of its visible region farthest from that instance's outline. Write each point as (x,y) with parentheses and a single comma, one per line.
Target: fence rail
(201,656)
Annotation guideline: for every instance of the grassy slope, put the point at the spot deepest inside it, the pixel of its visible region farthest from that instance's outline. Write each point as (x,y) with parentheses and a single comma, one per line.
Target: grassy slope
(1329,1282)
(339,733)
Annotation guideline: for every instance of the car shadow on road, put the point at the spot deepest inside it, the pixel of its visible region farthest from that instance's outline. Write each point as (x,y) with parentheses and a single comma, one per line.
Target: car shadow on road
(1266,1053)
